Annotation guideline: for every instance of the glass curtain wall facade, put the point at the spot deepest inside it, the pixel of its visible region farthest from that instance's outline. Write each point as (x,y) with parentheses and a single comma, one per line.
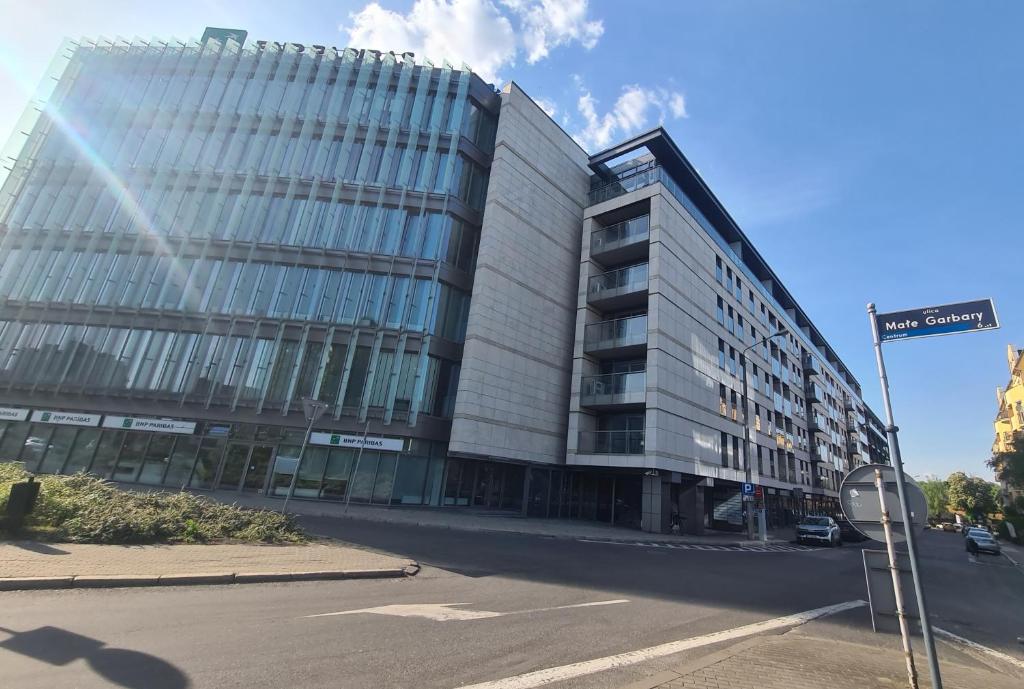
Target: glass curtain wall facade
(212,231)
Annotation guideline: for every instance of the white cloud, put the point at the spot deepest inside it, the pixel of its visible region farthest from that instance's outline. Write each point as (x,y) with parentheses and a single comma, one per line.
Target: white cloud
(631,113)
(547,105)
(547,24)
(479,33)
(469,31)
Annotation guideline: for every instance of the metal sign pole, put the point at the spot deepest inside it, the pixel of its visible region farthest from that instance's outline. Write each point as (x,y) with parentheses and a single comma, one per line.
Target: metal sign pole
(897,585)
(908,522)
(359,456)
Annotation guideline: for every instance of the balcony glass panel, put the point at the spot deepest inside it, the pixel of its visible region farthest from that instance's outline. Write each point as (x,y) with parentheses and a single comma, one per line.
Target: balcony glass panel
(613,388)
(620,234)
(611,442)
(621,281)
(621,332)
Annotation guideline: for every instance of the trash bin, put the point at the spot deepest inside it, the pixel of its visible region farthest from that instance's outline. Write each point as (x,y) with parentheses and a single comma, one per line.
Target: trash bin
(21,503)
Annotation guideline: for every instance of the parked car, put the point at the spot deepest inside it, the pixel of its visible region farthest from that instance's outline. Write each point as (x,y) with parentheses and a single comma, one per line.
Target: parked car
(969,529)
(980,541)
(948,526)
(847,531)
(818,530)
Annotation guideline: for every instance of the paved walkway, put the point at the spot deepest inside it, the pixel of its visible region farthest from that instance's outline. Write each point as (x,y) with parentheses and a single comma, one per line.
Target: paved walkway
(32,559)
(806,658)
(474,520)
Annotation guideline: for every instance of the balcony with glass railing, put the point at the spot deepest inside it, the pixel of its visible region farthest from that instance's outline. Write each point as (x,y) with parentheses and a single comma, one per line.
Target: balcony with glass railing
(618,337)
(622,241)
(613,389)
(619,288)
(611,442)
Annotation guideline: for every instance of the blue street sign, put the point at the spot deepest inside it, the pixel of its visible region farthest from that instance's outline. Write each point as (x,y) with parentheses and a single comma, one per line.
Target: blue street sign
(946,319)
(748,488)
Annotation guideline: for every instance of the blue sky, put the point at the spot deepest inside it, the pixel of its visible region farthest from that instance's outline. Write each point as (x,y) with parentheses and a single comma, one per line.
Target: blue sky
(871,150)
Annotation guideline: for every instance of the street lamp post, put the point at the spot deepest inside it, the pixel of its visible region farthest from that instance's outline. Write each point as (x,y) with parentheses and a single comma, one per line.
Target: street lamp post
(746,423)
(313,409)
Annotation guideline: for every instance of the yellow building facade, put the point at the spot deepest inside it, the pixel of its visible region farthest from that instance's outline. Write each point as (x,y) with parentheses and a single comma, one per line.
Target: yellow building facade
(1010,418)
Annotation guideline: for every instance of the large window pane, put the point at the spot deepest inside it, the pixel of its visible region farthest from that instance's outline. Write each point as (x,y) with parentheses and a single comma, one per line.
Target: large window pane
(339,467)
(158,457)
(206,463)
(60,446)
(314,461)
(385,479)
(182,459)
(13,440)
(410,481)
(35,445)
(362,481)
(83,450)
(133,453)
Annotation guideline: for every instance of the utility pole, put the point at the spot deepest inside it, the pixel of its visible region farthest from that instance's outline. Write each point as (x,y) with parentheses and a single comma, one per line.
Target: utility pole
(313,409)
(897,464)
(746,424)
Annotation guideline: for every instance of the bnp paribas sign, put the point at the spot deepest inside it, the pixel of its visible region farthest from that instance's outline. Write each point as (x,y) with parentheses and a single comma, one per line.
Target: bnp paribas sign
(946,319)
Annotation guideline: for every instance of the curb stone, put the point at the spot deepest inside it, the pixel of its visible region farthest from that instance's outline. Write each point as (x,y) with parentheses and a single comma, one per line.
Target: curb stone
(125,580)
(571,537)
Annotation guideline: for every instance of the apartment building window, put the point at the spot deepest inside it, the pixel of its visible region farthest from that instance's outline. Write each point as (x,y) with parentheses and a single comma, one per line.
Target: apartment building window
(721,354)
(720,312)
(734,404)
(730,322)
(767,385)
(739,327)
(771,462)
(764,314)
(732,361)
(728,279)
(735,452)
(760,461)
(757,417)
(750,301)
(753,335)
(725,449)
(718,269)
(739,290)
(721,399)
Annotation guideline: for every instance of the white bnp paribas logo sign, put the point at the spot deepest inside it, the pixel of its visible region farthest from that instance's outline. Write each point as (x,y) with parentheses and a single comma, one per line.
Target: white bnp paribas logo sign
(357,441)
(129,423)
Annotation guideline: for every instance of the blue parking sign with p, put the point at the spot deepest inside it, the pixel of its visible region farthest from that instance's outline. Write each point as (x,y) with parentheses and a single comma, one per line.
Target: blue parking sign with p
(748,488)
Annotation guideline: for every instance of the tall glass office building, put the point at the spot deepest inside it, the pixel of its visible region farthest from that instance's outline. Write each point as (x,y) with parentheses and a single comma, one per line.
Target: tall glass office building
(196,236)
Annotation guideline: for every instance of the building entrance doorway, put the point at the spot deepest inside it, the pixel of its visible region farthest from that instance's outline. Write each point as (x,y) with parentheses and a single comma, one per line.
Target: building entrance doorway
(245,467)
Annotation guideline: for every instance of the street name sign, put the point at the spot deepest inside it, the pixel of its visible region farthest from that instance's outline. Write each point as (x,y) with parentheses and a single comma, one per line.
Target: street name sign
(858,497)
(945,319)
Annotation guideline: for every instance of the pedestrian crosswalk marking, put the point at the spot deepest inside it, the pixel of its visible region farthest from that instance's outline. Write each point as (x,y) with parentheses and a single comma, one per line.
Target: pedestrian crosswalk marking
(735,548)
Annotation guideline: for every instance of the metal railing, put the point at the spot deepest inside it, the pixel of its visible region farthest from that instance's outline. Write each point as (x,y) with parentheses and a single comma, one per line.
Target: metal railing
(620,281)
(611,442)
(620,234)
(613,388)
(620,332)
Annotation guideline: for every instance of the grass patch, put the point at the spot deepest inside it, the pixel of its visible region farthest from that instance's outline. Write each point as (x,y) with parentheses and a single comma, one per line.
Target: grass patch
(84,509)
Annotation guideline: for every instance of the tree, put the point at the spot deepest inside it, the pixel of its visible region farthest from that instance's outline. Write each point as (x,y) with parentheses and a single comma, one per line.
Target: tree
(938,497)
(971,495)
(1009,465)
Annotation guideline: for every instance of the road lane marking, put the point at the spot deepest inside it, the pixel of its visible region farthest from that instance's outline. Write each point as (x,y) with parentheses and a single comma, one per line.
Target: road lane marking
(978,647)
(451,612)
(564,672)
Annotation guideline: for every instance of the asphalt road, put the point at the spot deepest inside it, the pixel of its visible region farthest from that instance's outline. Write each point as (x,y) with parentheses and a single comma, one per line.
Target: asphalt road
(505,597)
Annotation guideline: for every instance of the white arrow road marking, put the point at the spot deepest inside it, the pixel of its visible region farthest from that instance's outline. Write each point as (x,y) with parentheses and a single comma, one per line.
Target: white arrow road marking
(978,647)
(587,667)
(448,612)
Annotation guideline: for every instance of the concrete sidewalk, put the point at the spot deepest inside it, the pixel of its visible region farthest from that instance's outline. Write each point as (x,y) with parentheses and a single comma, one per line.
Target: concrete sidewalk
(819,655)
(30,564)
(475,520)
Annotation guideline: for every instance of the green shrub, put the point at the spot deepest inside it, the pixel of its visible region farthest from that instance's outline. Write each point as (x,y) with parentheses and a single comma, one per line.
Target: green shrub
(84,509)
